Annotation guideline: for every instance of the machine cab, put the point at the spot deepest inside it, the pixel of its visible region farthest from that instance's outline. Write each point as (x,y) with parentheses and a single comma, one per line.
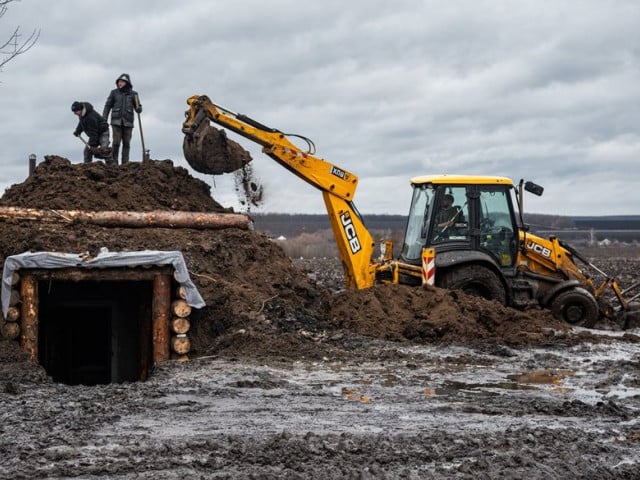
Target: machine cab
(456,213)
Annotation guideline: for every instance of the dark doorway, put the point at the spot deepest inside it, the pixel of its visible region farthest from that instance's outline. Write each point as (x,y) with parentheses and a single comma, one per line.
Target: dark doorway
(95,332)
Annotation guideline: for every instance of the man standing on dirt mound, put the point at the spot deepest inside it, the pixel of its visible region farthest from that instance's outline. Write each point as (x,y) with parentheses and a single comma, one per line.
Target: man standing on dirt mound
(122,102)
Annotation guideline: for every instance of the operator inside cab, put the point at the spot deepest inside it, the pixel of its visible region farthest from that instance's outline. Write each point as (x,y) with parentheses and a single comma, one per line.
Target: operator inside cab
(449,221)
(448,214)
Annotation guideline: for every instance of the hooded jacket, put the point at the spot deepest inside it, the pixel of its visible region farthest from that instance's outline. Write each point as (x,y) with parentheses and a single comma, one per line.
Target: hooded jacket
(121,102)
(92,124)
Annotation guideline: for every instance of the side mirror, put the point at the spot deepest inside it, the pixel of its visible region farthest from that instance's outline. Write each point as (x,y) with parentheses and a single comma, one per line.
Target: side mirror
(533,188)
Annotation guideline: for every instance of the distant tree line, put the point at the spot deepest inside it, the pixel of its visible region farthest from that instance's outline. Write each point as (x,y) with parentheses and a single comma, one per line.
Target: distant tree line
(292,225)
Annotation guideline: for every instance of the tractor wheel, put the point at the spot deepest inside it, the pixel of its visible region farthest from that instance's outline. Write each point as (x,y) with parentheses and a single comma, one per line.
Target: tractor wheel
(475,280)
(577,307)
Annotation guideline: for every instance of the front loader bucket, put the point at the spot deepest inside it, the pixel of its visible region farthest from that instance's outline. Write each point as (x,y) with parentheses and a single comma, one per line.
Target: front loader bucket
(630,318)
(629,310)
(208,150)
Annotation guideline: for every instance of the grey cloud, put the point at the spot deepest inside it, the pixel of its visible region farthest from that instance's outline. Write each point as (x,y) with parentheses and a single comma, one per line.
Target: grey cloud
(387,90)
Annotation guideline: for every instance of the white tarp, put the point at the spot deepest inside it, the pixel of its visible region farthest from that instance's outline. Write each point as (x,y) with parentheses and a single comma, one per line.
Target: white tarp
(105,259)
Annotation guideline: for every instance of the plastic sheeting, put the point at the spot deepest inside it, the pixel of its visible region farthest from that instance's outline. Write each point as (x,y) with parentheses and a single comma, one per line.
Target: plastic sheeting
(105,259)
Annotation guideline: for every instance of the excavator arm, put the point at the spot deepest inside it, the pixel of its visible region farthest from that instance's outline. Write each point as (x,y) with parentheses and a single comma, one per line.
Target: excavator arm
(338,186)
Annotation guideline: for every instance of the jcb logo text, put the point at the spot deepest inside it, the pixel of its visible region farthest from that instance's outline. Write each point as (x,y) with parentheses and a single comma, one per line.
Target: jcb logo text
(338,172)
(350,232)
(539,249)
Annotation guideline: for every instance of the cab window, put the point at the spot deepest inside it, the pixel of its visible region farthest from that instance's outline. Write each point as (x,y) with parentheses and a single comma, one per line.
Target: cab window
(418,222)
(496,225)
(452,217)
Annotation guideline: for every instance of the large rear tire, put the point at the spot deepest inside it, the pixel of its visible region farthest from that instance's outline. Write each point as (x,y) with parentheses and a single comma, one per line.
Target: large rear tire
(576,307)
(475,280)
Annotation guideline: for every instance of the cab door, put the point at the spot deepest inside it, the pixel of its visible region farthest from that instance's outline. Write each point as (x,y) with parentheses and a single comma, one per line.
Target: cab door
(496,224)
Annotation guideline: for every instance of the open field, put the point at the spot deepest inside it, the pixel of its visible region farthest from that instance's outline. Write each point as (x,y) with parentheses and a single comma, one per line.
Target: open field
(291,377)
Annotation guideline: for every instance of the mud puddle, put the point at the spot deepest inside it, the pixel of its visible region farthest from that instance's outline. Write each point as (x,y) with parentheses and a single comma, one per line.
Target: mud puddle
(417,412)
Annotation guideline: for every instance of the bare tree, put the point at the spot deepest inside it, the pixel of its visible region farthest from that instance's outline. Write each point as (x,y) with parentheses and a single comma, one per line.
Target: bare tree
(15,45)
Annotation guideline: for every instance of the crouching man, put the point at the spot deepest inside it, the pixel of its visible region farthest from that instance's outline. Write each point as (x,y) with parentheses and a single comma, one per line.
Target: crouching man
(96,128)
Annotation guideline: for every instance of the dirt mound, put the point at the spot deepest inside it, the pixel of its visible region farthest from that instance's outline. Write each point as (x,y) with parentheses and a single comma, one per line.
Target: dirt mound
(258,301)
(434,315)
(157,185)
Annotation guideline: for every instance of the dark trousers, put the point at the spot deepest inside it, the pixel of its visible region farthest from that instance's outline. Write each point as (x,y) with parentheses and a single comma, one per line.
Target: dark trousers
(121,134)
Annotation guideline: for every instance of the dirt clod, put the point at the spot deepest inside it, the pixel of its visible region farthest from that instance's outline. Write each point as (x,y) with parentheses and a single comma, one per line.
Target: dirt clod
(248,187)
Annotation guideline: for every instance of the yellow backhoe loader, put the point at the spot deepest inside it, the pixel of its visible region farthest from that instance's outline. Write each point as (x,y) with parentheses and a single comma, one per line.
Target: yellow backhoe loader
(470,227)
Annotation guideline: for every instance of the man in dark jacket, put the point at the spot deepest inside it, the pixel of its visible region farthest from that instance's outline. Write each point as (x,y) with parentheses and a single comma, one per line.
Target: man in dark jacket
(122,102)
(96,128)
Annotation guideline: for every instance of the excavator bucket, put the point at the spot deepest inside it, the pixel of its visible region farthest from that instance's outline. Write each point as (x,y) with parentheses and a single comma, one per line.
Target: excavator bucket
(208,150)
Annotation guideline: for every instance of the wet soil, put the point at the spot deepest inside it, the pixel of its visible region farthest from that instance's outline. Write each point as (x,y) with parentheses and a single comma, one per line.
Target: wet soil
(210,151)
(291,378)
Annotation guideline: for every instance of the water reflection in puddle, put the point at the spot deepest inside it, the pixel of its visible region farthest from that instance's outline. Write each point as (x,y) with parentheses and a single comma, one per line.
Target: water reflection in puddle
(544,377)
(532,380)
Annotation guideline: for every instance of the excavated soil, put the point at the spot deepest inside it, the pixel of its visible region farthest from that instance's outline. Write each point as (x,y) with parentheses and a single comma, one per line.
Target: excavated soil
(291,379)
(210,151)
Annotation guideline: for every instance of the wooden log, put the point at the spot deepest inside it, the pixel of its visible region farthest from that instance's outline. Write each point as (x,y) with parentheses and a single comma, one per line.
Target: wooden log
(180,344)
(29,314)
(160,315)
(13,314)
(181,292)
(156,218)
(145,340)
(180,308)
(179,358)
(10,330)
(180,325)
(14,299)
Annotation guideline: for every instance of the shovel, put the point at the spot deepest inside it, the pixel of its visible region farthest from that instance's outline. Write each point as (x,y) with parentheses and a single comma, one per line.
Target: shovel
(145,152)
(98,152)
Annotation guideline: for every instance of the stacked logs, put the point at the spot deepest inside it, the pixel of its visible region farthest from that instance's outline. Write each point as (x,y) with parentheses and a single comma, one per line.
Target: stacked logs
(179,326)
(10,327)
(173,319)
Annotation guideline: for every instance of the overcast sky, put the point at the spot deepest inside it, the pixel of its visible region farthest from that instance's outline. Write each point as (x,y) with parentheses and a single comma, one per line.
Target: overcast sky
(548,91)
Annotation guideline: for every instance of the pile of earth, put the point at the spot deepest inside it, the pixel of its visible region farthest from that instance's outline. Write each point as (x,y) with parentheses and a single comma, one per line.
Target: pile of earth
(259,302)
(56,183)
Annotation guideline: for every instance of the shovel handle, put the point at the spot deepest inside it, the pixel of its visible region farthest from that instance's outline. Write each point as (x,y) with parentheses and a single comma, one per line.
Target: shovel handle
(83,140)
(144,150)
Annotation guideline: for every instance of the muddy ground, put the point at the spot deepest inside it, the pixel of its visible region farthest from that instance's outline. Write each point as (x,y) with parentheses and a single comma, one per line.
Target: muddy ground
(289,379)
